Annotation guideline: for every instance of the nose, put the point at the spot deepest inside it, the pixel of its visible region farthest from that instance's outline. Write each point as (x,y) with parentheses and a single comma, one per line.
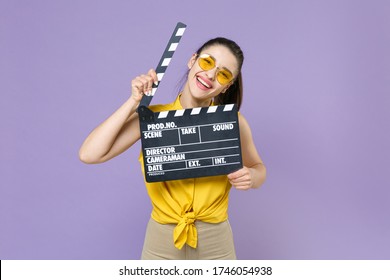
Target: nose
(211,73)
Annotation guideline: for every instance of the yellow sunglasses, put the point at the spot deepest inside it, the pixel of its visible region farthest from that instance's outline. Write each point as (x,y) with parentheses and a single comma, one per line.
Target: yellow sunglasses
(207,62)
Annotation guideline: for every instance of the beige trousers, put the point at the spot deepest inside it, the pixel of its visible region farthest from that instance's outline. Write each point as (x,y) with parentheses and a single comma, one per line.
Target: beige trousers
(215,242)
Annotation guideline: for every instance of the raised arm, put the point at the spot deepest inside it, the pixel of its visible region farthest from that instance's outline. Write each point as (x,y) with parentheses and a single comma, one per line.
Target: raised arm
(121,130)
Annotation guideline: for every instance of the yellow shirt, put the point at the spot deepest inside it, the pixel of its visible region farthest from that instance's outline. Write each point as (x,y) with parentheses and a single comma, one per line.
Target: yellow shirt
(182,202)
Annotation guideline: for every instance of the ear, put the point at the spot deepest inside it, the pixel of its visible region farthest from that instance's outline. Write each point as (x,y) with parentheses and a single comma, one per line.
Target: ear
(192,60)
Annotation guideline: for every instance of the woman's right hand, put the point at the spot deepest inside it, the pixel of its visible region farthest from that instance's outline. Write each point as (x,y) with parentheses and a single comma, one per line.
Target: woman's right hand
(142,84)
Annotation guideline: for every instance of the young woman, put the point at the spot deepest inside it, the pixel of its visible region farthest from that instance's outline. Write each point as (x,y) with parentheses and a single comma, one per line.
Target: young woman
(189,218)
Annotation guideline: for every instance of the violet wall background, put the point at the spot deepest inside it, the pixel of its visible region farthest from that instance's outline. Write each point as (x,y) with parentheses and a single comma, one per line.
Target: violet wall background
(317,85)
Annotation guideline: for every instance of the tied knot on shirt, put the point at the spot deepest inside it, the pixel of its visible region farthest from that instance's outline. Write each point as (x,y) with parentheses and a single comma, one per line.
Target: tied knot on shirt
(185,231)
(189,218)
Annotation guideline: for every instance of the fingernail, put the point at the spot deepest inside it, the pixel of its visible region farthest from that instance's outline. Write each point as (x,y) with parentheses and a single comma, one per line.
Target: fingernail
(156,83)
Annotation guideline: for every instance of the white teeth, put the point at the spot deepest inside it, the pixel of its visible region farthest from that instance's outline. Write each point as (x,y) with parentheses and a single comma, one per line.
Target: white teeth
(202,82)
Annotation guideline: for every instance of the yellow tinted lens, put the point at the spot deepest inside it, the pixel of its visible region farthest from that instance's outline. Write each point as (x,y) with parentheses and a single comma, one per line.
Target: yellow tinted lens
(206,62)
(224,76)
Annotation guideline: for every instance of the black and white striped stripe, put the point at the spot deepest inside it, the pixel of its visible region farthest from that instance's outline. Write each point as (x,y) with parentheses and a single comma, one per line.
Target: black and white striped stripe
(165,60)
(196,111)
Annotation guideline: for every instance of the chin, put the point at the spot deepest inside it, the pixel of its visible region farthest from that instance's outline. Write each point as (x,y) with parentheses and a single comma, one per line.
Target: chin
(200,95)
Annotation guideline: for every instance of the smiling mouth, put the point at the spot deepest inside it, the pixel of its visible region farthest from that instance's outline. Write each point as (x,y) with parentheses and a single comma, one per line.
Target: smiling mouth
(203,82)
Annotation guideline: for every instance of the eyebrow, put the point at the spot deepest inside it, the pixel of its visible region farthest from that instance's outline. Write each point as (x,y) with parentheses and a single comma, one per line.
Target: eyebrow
(216,61)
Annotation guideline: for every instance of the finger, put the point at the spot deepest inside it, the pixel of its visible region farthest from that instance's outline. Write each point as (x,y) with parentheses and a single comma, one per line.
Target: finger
(243,188)
(239,173)
(137,86)
(149,83)
(240,184)
(144,82)
(241,180)
(153,74)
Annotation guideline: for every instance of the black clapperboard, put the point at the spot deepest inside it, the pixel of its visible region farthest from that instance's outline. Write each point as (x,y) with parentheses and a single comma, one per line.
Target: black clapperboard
(188,143)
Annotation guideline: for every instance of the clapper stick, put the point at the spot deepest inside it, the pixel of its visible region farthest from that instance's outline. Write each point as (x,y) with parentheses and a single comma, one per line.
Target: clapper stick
(165,60)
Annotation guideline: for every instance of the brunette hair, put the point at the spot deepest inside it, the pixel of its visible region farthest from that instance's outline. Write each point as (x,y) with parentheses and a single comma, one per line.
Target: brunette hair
(234,93)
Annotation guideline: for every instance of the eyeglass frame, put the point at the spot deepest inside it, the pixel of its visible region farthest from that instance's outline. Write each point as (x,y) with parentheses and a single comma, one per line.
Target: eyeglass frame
(215,66)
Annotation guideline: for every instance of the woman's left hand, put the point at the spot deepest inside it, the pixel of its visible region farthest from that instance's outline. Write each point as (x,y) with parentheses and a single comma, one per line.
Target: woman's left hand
(241,179)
